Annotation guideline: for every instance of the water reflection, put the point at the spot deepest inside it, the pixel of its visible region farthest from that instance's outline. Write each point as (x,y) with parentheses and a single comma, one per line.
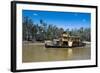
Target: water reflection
(38,53)
(70,52)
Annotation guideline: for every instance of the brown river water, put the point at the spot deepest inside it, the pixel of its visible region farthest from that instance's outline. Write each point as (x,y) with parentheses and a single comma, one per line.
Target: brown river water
(36,52)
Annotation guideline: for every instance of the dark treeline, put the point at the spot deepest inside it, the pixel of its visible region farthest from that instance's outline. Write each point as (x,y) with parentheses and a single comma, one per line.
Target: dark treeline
(44,31)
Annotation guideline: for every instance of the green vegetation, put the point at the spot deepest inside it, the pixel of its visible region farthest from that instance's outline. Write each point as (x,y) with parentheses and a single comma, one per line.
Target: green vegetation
(45,31)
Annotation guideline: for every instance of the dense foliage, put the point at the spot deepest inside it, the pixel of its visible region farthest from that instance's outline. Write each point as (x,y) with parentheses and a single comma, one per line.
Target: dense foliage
(45,31)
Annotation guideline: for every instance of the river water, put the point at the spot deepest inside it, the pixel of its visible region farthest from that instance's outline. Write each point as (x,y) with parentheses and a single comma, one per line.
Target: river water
(38,53)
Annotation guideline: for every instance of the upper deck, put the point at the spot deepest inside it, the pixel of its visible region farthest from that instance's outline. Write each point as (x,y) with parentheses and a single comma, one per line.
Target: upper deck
(67,37)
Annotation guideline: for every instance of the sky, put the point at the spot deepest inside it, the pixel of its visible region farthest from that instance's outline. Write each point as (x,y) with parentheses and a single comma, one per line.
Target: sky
(65,20)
